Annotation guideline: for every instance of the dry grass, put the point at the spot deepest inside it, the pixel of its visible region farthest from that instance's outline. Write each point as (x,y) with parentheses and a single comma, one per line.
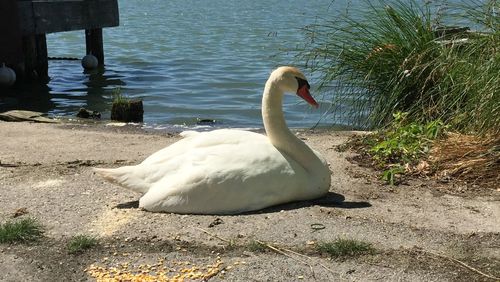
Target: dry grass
(470,158)
(471,161)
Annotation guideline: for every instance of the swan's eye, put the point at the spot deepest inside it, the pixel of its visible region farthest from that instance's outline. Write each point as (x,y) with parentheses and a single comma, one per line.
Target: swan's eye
(302,82)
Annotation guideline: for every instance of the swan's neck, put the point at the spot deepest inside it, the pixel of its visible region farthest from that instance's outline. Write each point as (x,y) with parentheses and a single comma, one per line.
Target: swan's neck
(279,134)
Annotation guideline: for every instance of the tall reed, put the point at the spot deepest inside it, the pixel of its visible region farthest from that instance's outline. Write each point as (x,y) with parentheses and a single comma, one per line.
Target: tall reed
(394,56)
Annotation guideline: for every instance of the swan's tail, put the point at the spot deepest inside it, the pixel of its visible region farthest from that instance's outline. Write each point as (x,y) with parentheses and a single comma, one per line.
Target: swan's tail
(125,176)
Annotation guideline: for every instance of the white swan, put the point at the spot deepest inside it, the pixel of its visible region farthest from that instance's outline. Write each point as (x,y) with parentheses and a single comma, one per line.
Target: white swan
(231,171)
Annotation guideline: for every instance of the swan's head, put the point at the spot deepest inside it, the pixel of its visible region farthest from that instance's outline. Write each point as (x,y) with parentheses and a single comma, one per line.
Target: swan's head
(291,80)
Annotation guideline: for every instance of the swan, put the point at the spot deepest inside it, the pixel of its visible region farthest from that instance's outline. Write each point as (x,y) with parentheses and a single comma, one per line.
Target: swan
(229,171)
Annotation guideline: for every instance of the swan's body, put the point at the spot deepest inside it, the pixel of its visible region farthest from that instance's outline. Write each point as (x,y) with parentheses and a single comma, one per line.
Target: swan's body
(231,171)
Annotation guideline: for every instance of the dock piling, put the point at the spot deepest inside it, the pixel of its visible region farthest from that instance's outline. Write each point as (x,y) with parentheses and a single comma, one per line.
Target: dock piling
(25,23)
(94,44)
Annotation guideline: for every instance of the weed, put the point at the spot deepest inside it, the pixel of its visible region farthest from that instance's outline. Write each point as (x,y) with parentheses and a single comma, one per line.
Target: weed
(341,248)
(256,246)
(404,142)
(400,146)
(389,175)
(24,230)
(80,243)
(119,98)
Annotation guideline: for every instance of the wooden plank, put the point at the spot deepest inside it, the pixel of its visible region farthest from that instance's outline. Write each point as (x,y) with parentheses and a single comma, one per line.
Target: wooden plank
(40,17)
(10,36)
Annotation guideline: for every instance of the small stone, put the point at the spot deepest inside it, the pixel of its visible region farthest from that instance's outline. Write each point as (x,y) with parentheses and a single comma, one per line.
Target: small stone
(215,222)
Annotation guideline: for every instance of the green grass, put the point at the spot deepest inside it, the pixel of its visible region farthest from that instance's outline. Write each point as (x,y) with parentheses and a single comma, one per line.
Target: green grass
(23,230)
(404,142)
(80,243)
(387,56)
(401,144)
(342,248)
(119,98)
(256,247)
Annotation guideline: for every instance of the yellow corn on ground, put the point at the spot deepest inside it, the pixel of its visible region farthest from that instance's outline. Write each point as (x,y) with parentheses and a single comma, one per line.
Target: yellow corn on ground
(162,271)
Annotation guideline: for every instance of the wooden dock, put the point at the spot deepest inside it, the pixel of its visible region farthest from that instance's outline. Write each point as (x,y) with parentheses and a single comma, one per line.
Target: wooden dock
(25,23)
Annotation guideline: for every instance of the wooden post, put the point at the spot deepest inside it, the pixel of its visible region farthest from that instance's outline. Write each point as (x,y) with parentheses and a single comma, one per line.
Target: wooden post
(94,43)
(29,50)
(24,24)
(10,35)
(36,64)
(42,59)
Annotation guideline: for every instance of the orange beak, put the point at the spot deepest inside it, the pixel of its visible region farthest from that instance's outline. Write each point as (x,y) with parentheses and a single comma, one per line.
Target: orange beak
(303,93)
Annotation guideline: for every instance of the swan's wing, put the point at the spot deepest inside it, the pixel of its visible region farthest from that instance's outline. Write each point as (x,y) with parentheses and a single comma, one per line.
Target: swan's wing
(220,152)
(190,153)
(226,178)
(189,133)
(193,140)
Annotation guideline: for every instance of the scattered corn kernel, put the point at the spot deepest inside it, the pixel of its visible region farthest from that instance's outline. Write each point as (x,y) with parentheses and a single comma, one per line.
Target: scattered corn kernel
(162,271)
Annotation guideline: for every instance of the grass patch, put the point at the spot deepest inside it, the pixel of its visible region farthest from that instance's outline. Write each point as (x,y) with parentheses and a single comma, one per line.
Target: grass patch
(401,148)
(256,247)
(342,248)
(23,230)
(411,149)
(80,243)
(403,142)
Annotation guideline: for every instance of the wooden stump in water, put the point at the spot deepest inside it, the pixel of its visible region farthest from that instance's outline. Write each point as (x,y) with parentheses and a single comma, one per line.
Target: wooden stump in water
(127,111)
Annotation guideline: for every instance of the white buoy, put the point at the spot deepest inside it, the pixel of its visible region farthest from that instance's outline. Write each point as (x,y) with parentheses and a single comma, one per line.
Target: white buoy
(7,76)
(89,62)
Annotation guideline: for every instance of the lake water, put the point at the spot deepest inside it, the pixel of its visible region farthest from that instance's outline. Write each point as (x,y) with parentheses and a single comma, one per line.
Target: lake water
(187,60)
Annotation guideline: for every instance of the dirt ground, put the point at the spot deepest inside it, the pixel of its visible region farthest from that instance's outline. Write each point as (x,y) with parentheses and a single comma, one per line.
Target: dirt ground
(420,232)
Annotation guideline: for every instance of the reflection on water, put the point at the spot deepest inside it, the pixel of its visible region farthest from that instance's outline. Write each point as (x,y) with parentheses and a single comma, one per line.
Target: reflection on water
(89,89)
(27,97)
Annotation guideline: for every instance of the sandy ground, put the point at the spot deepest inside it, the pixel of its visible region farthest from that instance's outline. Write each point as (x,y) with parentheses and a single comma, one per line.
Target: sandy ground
(417,229)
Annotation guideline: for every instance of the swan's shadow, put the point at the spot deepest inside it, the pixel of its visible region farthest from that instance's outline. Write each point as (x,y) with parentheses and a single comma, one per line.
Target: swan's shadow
(330,200)
(127,205)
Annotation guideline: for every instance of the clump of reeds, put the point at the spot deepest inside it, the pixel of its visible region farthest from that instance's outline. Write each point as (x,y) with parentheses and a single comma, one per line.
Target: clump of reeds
(390,56)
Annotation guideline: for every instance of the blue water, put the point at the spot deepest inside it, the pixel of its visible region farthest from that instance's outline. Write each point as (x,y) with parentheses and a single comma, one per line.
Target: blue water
(187,60)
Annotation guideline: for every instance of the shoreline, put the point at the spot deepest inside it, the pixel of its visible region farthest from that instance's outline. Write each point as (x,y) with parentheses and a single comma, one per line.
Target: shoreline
(46,168)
